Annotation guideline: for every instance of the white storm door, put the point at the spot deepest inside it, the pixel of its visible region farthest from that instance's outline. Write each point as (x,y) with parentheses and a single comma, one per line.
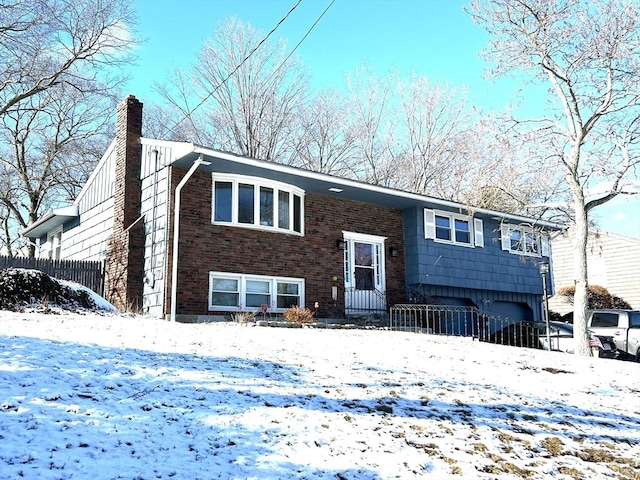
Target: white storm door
(364,273)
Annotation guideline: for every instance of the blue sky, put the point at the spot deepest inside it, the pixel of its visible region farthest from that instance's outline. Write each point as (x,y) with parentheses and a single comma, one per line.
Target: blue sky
(432,38)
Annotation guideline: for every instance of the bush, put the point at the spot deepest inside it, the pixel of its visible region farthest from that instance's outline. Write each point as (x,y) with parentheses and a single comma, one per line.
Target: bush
(243,317)
(299,315)
(21,288)
(597,297)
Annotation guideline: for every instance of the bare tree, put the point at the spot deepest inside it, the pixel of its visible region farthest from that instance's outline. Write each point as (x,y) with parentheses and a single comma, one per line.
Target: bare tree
(62,66)
(374,117)
(588,53)
(325,137)
(45,157)
(45,43)
(249,88)
(433,118)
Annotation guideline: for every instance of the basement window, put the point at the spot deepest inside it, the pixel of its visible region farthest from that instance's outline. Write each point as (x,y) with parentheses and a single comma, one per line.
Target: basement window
(246,292)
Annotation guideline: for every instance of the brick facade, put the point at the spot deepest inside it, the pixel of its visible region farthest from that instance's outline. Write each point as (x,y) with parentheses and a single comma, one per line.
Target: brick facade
(205,247)
(124,269)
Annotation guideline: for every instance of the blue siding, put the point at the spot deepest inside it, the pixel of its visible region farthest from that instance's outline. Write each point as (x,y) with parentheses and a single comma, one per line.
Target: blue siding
(487,276)
(488,268)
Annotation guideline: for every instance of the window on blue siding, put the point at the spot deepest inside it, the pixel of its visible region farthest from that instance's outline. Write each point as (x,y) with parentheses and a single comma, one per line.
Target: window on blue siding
(257,203)
(524,240)
(448,227)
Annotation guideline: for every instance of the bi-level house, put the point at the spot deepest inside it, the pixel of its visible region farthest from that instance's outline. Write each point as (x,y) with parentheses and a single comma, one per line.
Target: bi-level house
(194,233)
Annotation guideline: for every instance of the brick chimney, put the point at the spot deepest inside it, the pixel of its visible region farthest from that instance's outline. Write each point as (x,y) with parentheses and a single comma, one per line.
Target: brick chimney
(125,247)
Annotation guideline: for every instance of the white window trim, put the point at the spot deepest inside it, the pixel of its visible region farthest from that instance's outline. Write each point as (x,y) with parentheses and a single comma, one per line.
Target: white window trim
(379,243)
(476,232)
(242,282)
(54,244)
(544,244)
(258,182)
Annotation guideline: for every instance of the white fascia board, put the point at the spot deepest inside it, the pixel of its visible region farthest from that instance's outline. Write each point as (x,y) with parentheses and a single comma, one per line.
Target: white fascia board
(279,167)
(51,221)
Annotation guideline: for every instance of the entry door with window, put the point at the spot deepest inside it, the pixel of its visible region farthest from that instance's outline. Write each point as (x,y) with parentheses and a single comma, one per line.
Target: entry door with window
(364,273)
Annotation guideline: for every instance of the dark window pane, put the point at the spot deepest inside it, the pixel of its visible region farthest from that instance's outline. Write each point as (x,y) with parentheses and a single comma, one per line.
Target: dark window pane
(222,201)
(363,254)
(443,228)
(225,284)
(531,243)
(288,295)
(516,241)
(257,300)
(224,292)
(288,288)
(364,278)
(283,210)
(605,320)
(245,203)
(297,214)
(266,206)
(286,301)
(463,235)
(224,299)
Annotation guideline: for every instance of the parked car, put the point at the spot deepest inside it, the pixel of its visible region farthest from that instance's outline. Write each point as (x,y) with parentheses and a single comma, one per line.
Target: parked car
(561,337)
(622,325)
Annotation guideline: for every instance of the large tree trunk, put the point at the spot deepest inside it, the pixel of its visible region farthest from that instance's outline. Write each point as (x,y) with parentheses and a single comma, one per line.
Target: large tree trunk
(580,300)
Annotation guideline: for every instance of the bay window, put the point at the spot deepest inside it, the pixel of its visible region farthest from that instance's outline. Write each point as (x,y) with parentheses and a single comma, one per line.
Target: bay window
(253,202)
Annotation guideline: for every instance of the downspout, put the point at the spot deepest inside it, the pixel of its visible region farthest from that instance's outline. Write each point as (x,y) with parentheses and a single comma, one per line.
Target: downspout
(176,234)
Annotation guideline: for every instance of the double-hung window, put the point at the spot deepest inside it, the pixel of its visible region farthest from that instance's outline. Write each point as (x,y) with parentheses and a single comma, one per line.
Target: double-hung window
(253,202)
(523,240)
(448,227)
(232,291)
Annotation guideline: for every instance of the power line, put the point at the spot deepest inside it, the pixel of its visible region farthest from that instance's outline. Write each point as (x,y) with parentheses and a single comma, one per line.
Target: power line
(301,40)
(189,113)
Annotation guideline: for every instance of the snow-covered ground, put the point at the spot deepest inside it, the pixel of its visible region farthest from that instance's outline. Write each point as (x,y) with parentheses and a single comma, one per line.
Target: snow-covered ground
(105,396)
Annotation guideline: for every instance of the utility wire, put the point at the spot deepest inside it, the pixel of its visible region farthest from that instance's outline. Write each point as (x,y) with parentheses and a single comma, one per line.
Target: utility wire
(301,40)
(190,112)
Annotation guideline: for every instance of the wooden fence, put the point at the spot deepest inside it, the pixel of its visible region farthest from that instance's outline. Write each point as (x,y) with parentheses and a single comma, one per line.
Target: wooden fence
(89,274)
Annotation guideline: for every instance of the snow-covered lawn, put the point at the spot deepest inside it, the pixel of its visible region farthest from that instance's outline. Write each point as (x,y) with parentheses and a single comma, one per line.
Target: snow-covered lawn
(90,396)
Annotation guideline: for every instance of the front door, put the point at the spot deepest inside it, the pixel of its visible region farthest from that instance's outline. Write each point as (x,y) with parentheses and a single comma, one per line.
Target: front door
(364,273)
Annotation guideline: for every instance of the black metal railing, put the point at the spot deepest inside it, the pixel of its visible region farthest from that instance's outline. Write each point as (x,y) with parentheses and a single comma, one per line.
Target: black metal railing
(466,322)
(364,301)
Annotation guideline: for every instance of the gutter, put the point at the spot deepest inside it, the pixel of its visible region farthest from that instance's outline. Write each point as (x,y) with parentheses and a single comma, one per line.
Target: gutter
(176,233)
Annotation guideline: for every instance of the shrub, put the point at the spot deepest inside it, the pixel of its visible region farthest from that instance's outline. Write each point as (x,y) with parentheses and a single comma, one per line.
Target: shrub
(21,288)
(243,317)
(299,315)
(597,297)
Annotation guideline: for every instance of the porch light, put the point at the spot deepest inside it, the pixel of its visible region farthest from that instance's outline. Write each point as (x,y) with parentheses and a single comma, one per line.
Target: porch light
(393,251)
(341,244)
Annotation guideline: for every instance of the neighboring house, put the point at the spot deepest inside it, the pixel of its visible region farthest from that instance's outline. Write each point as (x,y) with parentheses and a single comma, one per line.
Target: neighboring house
(253,233)
(613,262)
